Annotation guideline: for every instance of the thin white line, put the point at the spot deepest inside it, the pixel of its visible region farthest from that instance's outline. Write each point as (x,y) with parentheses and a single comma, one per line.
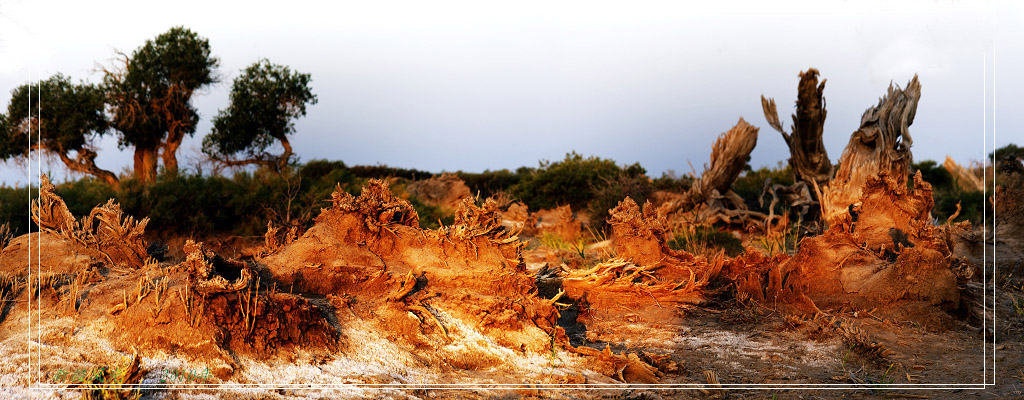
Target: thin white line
(28,169)
(39,254)
(985,190)
(984,231)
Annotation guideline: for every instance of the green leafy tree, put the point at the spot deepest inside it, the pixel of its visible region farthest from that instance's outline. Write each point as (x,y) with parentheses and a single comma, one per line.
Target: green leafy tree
(265,101)
(151,96)
(64,119)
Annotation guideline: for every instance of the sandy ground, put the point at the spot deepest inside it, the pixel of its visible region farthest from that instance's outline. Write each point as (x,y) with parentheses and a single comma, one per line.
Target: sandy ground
(753,352)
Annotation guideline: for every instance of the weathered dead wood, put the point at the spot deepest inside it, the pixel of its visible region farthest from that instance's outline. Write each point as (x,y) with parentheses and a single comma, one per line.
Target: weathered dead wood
(49,211)
(729,155)
(710,199)
(881,146)
(808,157)
(206,276)
(117,236)
(376,196)
(964,177)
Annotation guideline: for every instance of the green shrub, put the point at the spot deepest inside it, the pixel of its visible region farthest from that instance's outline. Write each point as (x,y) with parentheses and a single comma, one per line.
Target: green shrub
(318,169)
(750,184)
(84,194)
(186,204)
(384,171)
(1009,149)
(430,215)
(933,173)
(608,195)
(947,194)
(488,183)
(14,209)
(573,181)
(672,182)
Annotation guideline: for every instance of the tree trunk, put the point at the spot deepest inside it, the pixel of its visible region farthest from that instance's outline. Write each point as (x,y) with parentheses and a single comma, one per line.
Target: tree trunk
(283,161)
(85,162)
(729,155)
(145,164)
(807,153)
(177,114)
(880,147)
(170,149)
(710,199)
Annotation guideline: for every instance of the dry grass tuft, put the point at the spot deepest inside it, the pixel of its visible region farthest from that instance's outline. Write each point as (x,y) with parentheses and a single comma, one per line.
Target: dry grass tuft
(5,235)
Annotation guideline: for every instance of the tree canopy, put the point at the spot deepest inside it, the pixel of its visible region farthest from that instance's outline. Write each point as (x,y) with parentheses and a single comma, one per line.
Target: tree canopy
(63,119)
(1002,152)
(151,96)
(265,101)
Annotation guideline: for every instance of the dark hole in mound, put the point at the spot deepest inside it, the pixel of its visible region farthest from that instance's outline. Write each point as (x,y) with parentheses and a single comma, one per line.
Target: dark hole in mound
(230,270)
(548,285)
(576,331)
(421,282)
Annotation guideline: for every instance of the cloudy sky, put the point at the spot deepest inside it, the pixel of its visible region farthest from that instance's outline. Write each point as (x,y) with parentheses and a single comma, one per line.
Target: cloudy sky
(441,85)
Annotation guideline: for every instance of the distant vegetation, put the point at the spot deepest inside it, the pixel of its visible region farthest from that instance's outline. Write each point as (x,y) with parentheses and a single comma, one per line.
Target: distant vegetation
(947,194)
(243,203)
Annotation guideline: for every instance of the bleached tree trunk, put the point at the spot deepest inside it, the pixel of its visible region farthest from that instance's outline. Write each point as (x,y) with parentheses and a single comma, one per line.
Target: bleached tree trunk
(881,146)
(966,179)
(729,155)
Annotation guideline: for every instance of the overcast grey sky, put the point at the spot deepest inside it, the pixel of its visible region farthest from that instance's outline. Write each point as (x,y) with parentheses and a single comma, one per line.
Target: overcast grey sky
(485,85)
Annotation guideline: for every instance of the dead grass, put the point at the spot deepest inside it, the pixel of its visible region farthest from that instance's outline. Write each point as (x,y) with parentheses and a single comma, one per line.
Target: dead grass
(8,288)
(5,235)
(194,306)
(249,307)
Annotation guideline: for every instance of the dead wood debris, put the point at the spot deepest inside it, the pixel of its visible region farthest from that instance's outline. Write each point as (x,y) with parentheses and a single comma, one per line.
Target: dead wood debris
(729,155)
(710,199)
(880,248)
(966,178)
(106,229)
(620,278)
(639,235)
(808,156)
(207,271)
(376,197)
(627,367)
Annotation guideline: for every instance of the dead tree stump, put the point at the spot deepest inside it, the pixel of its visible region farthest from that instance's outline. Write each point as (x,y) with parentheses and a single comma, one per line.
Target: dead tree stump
(880,147)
